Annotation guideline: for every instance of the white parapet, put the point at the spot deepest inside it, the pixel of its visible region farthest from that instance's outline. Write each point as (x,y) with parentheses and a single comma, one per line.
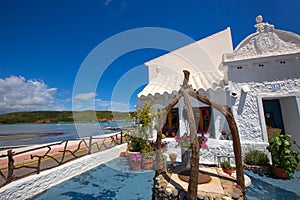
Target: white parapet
(37,183)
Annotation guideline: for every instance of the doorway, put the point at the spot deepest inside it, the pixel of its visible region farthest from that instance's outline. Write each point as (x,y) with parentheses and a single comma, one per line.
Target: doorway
(273,117)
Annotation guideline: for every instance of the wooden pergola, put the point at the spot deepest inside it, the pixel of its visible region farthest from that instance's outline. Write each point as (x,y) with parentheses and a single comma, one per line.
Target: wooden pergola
(185,92)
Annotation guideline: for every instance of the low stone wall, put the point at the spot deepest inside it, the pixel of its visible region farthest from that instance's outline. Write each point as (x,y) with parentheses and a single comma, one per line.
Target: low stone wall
(37,183)
(262,170)
(163,191)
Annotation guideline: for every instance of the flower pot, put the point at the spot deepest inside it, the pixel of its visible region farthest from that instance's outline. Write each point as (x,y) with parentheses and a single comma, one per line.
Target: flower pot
(223,137)
(130,153)
(227,171)
(147,164)
(173,134)
(135,165)
(280,173)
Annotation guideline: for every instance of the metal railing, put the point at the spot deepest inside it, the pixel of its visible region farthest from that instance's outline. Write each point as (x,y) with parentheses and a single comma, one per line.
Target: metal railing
(16,165)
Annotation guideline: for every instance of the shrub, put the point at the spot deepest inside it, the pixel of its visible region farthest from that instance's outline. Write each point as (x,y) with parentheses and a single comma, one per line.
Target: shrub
(256,157)
(283,155)
(226,165)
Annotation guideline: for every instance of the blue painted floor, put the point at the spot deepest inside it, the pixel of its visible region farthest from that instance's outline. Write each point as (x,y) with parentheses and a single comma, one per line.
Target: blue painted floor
(113,180)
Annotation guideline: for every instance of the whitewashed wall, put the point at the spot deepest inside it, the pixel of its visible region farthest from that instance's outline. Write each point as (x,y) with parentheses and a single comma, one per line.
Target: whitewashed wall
(34,184)
(264,79)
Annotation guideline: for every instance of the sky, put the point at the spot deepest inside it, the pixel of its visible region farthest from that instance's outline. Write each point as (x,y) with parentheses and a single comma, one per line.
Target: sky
(88,54)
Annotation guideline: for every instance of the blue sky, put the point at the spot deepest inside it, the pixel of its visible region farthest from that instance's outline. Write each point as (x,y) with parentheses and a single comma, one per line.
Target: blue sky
(43,44)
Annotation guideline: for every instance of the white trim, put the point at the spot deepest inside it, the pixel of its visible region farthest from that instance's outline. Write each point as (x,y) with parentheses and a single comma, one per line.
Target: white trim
(31,185)
(261,109)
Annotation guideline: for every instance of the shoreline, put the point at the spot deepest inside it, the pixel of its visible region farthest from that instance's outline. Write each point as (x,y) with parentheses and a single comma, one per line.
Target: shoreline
(27,135)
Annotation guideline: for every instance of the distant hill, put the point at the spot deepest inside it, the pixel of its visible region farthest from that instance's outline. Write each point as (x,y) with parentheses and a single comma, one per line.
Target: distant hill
(60,116)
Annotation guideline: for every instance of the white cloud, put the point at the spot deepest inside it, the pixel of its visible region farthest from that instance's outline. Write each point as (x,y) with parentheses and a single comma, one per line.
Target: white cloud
(113,106)
(99,104)
(85,96)
(17,94)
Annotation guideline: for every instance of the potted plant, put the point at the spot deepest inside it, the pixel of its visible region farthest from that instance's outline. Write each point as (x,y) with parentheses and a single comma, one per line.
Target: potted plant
(173,157)
(229,136)
(148,155)
(136,160)
(226,167)
(223,135)
(285,158)
(256,157)
(135,146)
(174,132)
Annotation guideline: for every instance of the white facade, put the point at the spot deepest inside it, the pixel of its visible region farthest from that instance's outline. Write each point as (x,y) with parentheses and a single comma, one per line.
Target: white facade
(259,79)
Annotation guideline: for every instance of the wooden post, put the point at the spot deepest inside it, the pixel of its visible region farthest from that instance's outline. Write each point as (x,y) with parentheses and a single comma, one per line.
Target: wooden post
(10,166)
(64,153)
(39,165)
(193,182)
(121,136)
(90,145)
(187,91)
(225,110)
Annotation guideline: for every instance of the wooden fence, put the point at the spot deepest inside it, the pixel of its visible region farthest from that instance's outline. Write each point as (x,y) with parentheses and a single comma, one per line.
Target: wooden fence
(16,165)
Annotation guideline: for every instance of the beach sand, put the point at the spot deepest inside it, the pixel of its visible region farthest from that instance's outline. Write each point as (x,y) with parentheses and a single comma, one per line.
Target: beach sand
(26,135)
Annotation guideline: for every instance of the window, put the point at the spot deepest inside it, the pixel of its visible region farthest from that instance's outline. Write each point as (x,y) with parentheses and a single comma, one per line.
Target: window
(171,126)
(202,118)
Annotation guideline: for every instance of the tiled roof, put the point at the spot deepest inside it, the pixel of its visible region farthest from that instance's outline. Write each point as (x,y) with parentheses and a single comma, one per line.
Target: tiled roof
(170,84)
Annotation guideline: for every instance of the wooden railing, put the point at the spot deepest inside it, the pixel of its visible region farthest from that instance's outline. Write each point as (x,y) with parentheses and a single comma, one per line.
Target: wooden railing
(16,165)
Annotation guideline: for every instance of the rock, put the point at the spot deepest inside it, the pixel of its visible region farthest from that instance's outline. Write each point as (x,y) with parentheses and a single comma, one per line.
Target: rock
(157,179)
(235,195)
(218,198)
(163,185)
(168,191)
(206,198)
(237,190)
(182,195)
(226,198)
(200,197)
(175,193)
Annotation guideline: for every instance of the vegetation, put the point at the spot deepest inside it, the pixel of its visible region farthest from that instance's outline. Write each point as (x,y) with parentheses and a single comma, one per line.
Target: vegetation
(283,153)
(59,116)
(226,165)
(256,157)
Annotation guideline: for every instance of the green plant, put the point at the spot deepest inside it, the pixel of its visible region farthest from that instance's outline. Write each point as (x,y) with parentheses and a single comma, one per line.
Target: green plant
(226,165)
(148,155)
(256,157)
(137,144)
(148,152)
(283,155)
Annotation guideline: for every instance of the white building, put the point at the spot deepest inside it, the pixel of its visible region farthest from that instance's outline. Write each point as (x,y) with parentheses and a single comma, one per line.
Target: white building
(259,80)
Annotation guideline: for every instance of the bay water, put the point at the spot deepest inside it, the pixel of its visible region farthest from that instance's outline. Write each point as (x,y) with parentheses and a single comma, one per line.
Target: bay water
(66,131)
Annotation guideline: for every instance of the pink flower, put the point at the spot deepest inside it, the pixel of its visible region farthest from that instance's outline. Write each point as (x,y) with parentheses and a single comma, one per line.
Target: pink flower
(136,157)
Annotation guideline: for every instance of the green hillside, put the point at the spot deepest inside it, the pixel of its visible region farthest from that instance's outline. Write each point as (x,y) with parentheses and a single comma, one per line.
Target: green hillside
(60,116)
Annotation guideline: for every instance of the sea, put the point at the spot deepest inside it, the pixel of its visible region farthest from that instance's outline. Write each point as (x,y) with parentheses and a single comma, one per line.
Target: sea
(66,131)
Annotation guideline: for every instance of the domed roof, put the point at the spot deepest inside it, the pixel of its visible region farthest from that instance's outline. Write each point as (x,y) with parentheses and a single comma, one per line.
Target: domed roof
(266,41)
